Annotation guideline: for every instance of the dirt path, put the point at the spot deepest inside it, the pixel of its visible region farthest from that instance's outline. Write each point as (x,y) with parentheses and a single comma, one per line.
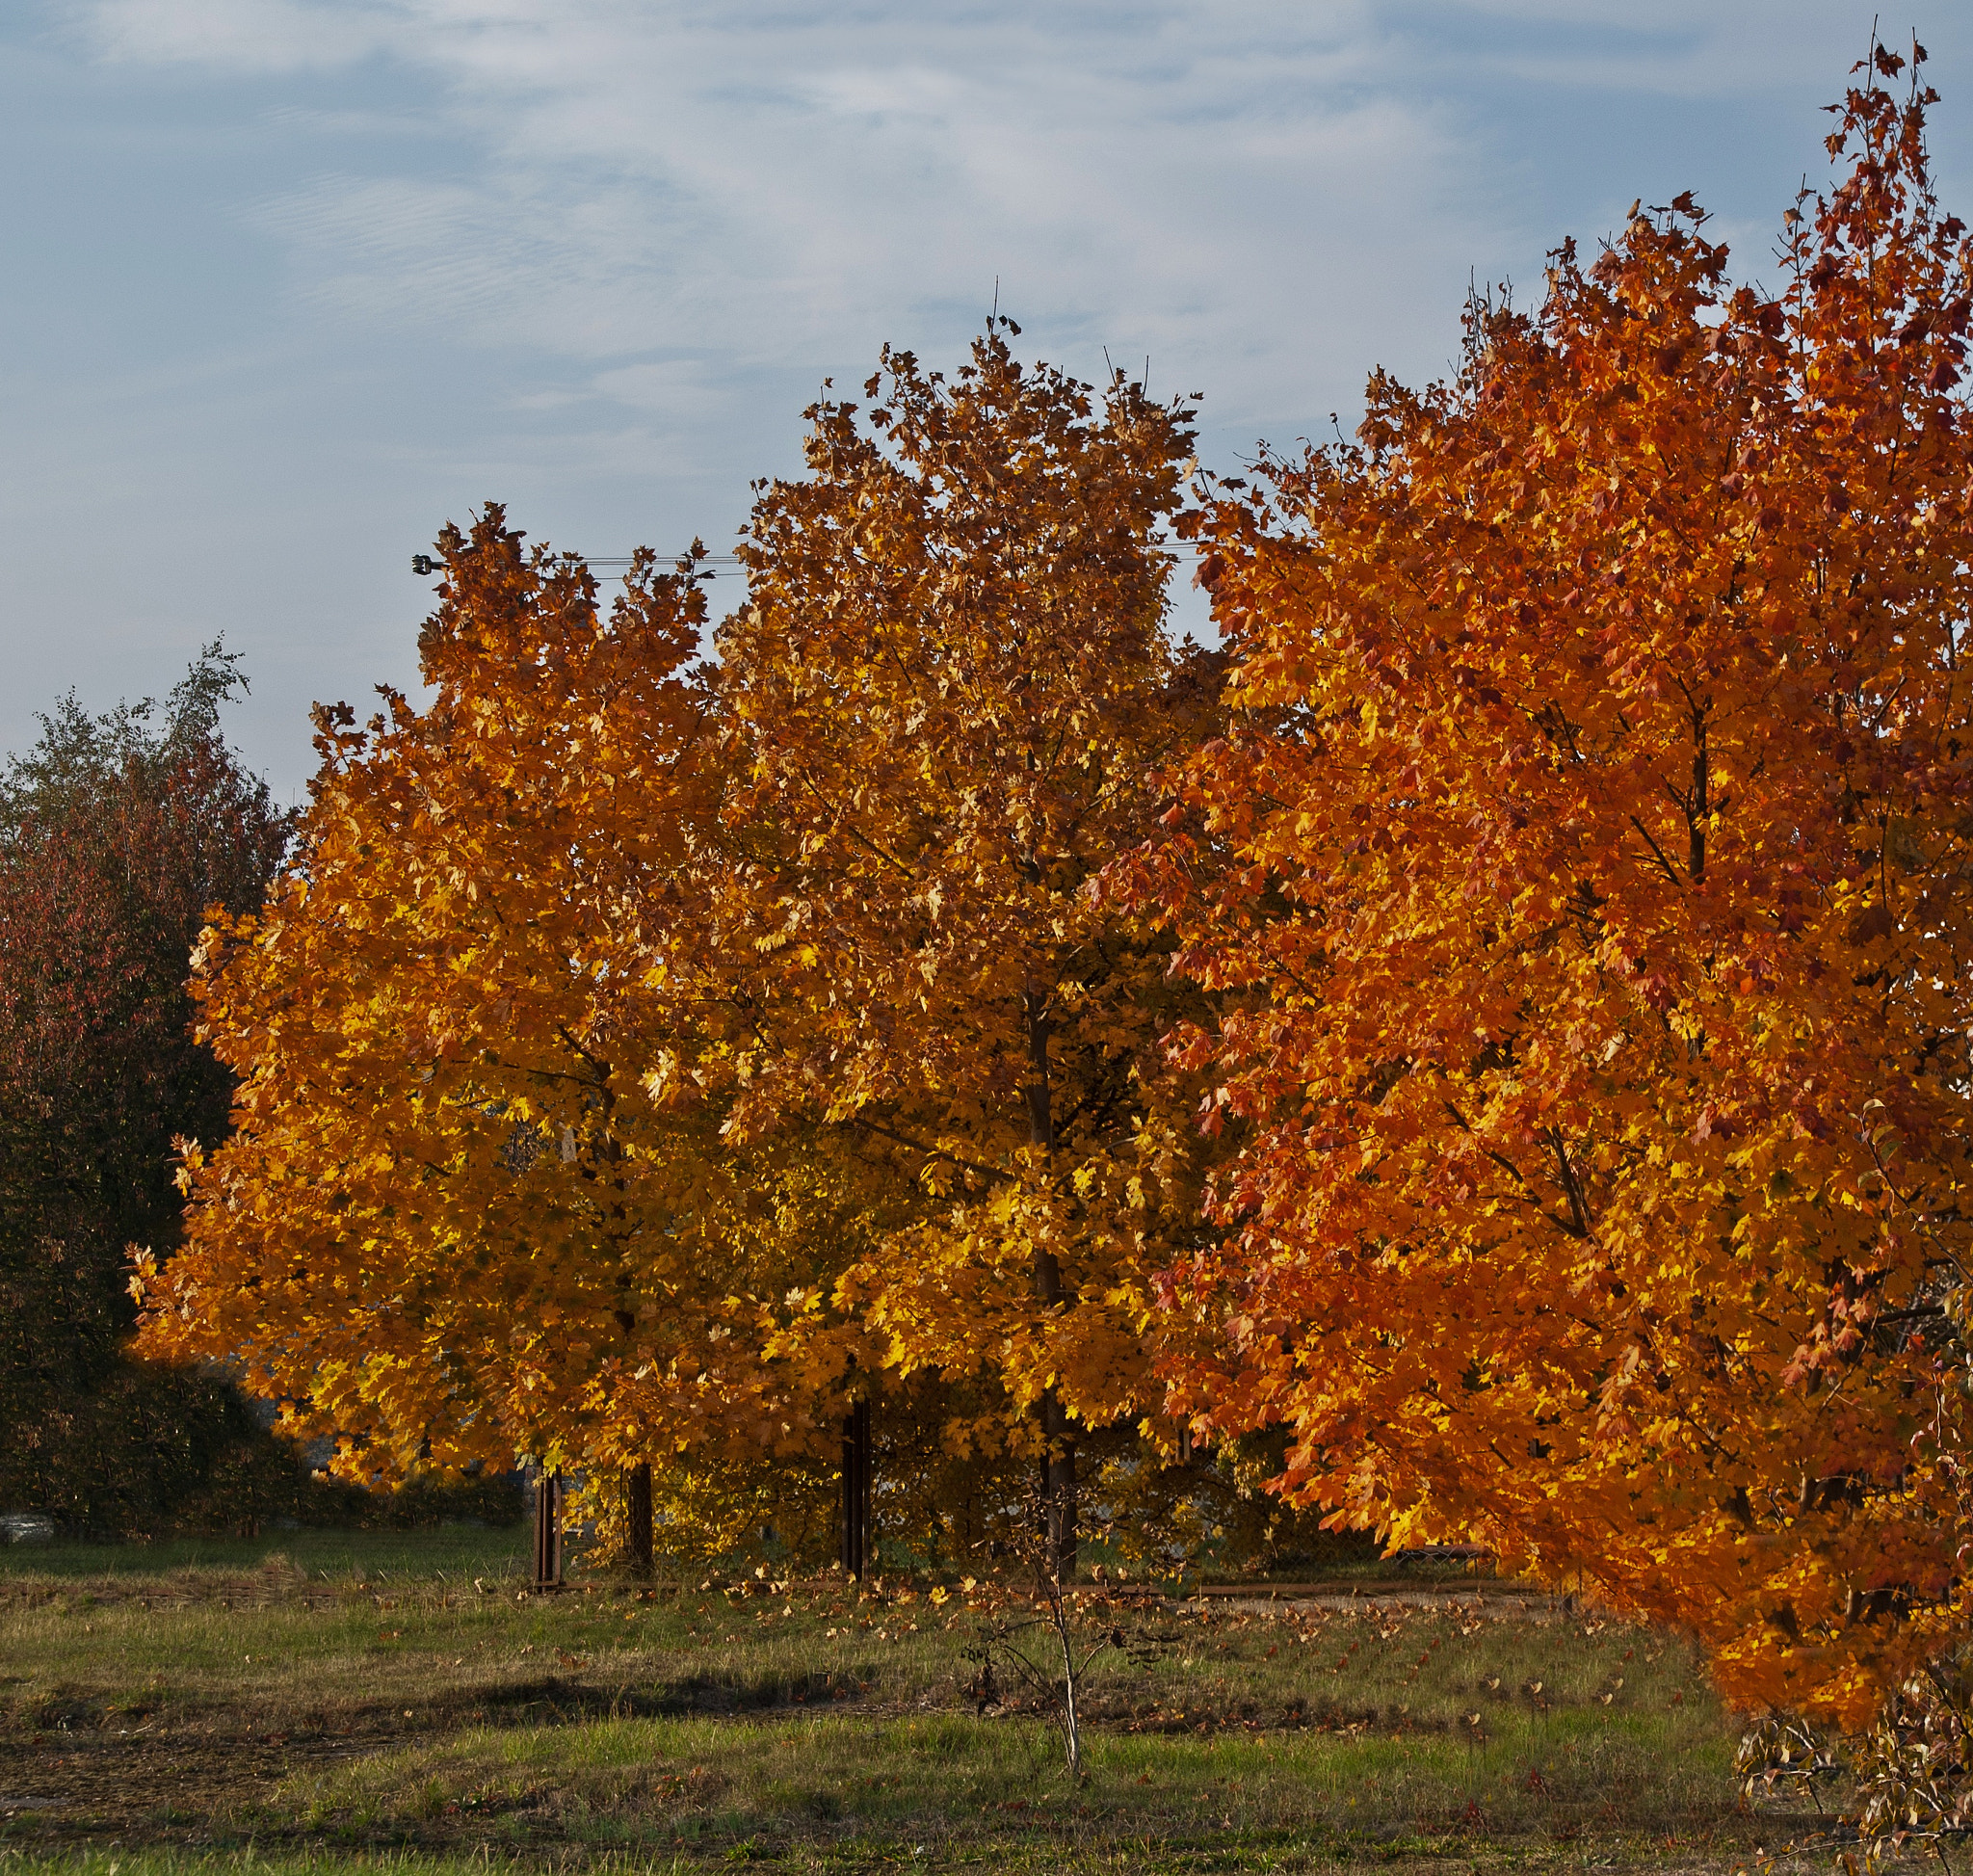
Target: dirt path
(150,1788)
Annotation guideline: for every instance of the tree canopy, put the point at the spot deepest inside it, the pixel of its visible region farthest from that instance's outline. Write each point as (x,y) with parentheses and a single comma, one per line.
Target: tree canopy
(953,694)
(1588,863)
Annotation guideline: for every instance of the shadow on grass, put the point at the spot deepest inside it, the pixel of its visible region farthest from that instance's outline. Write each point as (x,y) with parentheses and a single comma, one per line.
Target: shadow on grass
(457,1551)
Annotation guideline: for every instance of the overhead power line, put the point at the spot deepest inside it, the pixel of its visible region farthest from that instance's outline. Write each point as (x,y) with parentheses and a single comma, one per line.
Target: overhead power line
(424,566)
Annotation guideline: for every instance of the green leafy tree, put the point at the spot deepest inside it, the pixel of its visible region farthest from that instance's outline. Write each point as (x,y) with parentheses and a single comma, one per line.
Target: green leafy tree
(116,834)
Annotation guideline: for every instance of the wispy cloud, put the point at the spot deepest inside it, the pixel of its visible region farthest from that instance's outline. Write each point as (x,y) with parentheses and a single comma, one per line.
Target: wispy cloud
(1680,48)
(1222,186)
(1243,189)
(249,35)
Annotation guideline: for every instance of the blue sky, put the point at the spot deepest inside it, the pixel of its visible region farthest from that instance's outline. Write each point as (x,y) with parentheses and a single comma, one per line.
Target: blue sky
(290,282)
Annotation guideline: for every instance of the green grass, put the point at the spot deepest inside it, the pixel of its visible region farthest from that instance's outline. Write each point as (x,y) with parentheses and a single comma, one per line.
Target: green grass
(357,1698)
(950,1776)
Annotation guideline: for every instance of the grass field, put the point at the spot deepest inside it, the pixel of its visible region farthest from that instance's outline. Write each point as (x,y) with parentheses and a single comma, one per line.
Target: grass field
(402,1702)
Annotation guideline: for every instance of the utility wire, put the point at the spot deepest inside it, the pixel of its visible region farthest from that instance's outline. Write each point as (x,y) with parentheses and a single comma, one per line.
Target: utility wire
(424,566)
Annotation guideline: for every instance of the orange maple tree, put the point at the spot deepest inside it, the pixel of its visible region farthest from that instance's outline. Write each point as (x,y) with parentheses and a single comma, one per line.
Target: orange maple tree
(1587,867)
(469,1209)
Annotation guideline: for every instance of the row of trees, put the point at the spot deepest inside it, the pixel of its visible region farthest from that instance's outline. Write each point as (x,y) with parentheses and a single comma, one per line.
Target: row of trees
(1487,1047)
(649,1059)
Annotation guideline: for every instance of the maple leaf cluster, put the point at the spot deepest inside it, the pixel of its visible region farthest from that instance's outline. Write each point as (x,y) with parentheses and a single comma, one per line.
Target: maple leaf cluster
(1492,1039)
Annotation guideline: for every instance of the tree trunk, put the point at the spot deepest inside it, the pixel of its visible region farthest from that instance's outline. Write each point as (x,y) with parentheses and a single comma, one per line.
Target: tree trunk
(548,1531)
(1057,1429)
(1062,1534)
(857,1490)
(639,1544)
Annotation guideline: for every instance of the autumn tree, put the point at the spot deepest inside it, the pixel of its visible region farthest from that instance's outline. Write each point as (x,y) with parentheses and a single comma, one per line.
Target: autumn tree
(472,1207)
(952,689)
(1587,871)
(116,834)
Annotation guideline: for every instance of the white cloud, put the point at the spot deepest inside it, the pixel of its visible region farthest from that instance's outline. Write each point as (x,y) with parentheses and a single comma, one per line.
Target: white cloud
(250,36)
(1245,189)
(674,388)
(1229,187)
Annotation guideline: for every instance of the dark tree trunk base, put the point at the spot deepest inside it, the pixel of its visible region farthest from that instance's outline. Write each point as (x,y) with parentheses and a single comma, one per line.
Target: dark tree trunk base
(640,1545)
(548,1531)
(855,1553)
